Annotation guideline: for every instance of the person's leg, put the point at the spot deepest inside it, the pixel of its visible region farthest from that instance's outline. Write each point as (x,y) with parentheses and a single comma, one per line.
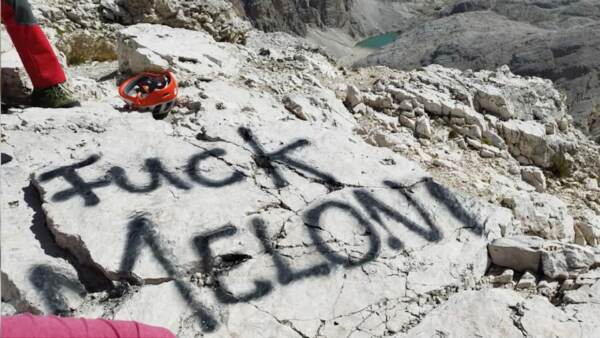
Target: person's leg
(32,45)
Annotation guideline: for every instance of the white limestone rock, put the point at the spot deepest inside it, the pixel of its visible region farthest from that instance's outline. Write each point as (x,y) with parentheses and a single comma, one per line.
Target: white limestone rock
(353,96)
(588,224)
(317,107)
(543,215)
(518,253)
(407,122)
(585,294)
(361,108)
(555,259)
(496,310)
(494,139)
(6,309)
(499,93)
(471,131)
(378,102)
(338,195)
(406,105)
(506,277)
(591,184)
(216,17)
(297,106)
(501,109)
(527,281)
(423,127)
(559,261)
(534,176)
(146,47)
(527,140)
(35,277)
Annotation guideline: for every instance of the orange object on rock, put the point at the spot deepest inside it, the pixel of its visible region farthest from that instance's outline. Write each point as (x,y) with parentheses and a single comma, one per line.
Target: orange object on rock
(156,92)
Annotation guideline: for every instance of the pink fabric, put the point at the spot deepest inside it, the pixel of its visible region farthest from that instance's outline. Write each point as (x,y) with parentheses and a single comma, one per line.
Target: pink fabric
(30,326)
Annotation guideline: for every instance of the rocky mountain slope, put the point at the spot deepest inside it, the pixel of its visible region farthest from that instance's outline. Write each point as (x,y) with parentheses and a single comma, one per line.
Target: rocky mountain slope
(287,197)
(556,40)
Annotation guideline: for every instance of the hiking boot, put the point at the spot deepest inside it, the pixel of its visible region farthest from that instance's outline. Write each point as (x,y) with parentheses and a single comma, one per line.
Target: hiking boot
(58,96)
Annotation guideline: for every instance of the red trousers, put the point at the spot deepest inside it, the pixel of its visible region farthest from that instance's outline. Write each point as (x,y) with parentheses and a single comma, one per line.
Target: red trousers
(32,45)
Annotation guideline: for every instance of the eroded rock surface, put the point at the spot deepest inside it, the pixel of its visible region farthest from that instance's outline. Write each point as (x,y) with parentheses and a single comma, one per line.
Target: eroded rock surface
(284,198)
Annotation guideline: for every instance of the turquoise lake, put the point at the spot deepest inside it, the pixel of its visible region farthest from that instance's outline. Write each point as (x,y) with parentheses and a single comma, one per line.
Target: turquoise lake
(378,41)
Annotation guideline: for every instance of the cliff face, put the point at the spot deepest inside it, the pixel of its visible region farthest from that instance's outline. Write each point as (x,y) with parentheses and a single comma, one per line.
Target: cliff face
(357,18)
(294,15)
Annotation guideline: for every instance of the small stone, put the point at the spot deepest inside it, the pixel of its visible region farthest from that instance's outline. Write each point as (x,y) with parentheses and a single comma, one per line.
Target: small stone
(471,131)
(423,127)
(520,253)
(508,202)
(264,52)
(194,106)
(551,128)
(457,121)
(474,143)
(300,57)
(493,139)
(409,113)
(591,183)
(461,143)
(547,288)
(563,164)
(567,285)
(534,176)
(563,124)
(360,108)
(527,281)
(588,225)
(442,163)
(406,105)
(294,107)
(513,170)
(379,102)
(353,96)
(504,278)
(486,153)
(543,284)
(419,111)
(407,122)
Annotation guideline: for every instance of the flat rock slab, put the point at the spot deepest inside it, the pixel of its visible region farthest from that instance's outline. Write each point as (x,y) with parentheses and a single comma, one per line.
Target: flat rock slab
(501,313)
(144,45)
(279,217)
(34,276)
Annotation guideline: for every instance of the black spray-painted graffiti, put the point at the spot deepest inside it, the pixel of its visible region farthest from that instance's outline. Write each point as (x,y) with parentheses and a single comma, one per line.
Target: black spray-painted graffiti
(215,268)
(265,160)
(50,281)
(154,167)
(158,173)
